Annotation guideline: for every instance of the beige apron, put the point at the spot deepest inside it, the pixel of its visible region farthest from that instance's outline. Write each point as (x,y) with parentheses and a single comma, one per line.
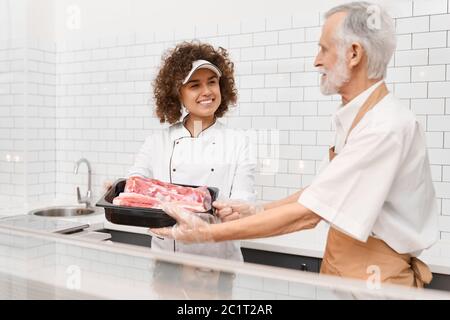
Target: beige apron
(347,257)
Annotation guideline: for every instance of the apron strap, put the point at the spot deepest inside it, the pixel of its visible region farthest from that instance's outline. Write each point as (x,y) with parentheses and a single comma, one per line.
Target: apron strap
(376,96)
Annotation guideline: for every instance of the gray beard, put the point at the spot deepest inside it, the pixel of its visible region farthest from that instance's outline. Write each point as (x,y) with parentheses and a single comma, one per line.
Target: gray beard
(335,78)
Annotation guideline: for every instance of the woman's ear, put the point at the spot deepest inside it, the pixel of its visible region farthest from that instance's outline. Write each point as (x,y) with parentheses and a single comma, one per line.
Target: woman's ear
(357,52)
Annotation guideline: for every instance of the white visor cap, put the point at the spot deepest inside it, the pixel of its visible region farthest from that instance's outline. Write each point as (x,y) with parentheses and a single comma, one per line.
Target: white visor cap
(202,64)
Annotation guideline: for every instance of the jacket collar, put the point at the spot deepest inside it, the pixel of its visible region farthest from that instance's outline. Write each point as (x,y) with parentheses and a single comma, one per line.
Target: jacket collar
(178,130)
(344,116)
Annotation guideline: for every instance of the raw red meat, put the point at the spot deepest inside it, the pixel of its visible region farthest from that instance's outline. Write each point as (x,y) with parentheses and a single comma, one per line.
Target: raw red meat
(151,193)
(136,200)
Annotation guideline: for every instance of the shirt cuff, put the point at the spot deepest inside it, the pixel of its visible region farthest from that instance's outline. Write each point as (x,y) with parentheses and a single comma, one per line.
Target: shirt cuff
(329,214)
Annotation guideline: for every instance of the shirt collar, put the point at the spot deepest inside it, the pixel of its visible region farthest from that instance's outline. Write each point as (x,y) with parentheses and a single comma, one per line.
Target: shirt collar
(345,115)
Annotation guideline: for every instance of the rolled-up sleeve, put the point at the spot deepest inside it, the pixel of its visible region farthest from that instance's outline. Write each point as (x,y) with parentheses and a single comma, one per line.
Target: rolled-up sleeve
(350,192)
(143,160)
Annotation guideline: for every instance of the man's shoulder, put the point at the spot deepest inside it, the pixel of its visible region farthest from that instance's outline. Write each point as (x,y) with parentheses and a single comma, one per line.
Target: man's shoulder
(391,103)
(394,114)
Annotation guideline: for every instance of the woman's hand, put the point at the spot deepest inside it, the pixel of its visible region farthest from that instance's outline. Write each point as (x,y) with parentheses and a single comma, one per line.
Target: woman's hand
(107,185)
(228,210)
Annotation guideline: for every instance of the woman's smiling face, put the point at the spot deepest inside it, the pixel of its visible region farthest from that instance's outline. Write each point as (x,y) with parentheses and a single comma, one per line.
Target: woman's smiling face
(201,94)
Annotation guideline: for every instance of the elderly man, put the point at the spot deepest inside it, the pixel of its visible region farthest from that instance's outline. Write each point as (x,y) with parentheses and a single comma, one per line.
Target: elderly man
(375,190)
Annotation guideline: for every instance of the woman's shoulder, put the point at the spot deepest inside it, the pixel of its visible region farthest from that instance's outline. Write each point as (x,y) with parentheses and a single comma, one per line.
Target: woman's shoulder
(234,136)
(221,126)
(175,126)
(239,132)
(158,135)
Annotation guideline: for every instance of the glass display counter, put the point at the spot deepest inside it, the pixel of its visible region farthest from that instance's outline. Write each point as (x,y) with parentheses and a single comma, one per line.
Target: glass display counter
(40,265)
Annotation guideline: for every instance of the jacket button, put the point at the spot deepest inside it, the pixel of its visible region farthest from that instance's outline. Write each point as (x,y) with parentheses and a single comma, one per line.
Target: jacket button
(212,169)
(174,170)
(178,142)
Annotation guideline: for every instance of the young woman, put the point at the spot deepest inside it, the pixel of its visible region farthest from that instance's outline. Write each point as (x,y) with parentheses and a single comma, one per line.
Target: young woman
(197,149)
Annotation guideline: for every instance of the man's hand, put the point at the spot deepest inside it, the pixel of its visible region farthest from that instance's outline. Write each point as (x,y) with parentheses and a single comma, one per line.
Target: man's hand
(190,228)
(228,210)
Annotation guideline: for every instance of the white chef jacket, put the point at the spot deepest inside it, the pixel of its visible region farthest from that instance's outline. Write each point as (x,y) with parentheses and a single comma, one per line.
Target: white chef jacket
(380,183)
(218,157)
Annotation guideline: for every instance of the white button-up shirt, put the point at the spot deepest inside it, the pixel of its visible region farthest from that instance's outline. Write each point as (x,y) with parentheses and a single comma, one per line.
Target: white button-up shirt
(218,157)
(380,182)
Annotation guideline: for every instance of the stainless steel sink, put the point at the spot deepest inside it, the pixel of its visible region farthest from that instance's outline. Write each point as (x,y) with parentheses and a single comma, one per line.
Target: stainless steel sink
(62,211)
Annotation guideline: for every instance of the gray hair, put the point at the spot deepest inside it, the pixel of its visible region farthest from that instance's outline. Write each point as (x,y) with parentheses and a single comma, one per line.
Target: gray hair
(373,28)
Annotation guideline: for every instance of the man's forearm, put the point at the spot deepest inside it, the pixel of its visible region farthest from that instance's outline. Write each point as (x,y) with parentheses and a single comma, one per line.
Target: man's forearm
(289,199)
(281,220)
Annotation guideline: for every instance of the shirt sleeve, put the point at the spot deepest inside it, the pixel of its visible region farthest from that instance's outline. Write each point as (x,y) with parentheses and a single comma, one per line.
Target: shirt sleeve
(323,164)
(350,192)
(143,160)
(243,187)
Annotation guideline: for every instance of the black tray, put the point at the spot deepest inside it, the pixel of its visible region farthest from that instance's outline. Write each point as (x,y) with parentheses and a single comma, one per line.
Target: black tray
(136,216)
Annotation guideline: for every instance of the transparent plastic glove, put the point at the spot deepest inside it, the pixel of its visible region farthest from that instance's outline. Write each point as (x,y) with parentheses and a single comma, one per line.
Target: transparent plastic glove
(190,228)
(228,210)
(107,185)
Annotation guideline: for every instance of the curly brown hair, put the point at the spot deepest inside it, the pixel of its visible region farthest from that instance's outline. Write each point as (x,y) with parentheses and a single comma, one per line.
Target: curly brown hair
(176,64)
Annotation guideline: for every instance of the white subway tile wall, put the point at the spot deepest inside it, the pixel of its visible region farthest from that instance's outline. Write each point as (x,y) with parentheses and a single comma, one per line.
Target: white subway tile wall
(41,124)
(104,107)
(12,123)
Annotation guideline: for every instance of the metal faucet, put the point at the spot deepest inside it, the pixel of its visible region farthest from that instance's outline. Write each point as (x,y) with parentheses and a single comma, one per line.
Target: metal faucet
(87,199)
